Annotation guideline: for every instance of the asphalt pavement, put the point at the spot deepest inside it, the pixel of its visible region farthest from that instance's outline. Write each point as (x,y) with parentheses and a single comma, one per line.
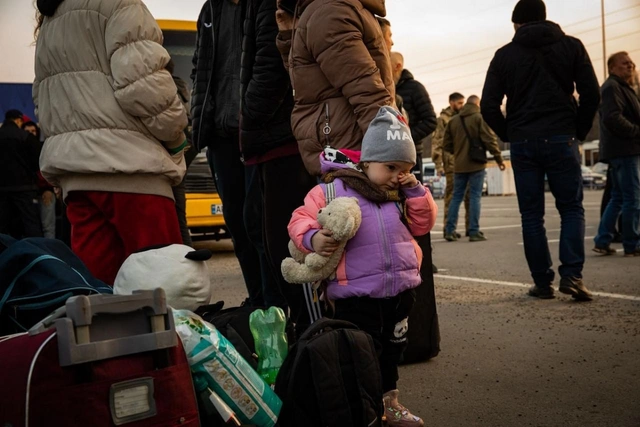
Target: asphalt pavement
(508,359)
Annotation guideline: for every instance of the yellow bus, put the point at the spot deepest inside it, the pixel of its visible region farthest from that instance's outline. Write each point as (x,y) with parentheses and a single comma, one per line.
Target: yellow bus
(204,206)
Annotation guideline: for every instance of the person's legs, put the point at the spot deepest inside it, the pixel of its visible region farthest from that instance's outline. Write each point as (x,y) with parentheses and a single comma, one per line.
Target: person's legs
(562,166)
(254,224)
(460,185)
(610,214)
(229,174)
(467,209)
(628,176)
(27,211)
(93,238)
(281,198)
(476,180)
(448,195)
(48,216)
(529,178)
(181,211)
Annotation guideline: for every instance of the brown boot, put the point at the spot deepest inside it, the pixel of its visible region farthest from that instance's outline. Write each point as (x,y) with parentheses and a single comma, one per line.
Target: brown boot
(396,414)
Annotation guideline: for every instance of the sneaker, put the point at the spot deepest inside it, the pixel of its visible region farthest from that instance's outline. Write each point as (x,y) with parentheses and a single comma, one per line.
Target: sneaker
(396,414)
(450,237)
(458,235)
(604,250)
(575,288)
(632,254)
(477,237)
(542,293)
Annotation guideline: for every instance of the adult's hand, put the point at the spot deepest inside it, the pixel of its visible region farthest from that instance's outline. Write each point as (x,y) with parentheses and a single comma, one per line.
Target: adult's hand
(284,20)
(48,197)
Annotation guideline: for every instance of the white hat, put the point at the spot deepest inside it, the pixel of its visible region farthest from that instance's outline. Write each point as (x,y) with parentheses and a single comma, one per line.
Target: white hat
(180,270)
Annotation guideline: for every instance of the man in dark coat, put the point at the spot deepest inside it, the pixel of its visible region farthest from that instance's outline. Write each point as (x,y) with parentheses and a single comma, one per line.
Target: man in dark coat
(417,104)
(537,72)
(620,146)
(241,108)
(19,209)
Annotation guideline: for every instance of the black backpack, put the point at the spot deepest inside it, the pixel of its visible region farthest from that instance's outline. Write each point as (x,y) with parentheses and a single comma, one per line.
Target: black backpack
(37,276)
(331,377)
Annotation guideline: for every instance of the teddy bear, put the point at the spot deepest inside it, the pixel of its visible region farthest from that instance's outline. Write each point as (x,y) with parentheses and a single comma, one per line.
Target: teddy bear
(342,217)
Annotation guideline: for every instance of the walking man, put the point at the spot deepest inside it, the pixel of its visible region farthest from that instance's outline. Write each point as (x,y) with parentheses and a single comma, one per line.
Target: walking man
(465,130)
(444,161)
(538,72)
(620,146)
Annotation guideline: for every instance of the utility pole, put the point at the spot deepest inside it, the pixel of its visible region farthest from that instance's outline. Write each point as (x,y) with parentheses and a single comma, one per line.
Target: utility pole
(604,43)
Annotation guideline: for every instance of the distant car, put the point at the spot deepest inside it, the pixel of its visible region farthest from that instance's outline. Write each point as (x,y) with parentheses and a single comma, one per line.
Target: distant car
(593,179)
(204,207)
(600,168)
(430,178)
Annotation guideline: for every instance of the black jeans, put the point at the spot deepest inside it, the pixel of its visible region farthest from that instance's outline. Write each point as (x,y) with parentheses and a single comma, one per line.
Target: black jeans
(281,196)
(20,214)
(559,159)
(387,321)
(242,209)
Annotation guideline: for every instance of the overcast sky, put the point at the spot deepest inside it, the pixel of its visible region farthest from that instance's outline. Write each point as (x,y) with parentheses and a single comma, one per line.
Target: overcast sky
(447,45)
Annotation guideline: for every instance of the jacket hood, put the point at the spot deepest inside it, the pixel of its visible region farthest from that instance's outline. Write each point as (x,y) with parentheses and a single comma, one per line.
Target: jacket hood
(538,34)
(469,110)
(48,7)
(448,112)
(376,7)
(332,159)
(405,76)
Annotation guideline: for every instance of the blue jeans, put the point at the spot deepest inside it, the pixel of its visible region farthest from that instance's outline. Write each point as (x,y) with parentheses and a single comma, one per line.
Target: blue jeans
(625,198)
(559,159)
(460,181)
(242,207)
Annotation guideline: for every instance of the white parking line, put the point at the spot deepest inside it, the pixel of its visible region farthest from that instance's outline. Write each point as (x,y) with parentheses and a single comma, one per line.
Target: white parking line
(525,285)
(558,240)
(496,227)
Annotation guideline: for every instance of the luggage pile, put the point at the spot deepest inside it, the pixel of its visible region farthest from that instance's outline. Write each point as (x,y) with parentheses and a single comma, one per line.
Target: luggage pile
(73,353)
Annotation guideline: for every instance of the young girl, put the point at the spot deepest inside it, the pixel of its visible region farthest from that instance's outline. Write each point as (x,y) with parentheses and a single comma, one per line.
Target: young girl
(374,282)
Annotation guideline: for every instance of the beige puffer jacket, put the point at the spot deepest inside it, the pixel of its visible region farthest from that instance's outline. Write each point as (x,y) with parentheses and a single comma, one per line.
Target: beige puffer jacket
(340,72)
(107,107)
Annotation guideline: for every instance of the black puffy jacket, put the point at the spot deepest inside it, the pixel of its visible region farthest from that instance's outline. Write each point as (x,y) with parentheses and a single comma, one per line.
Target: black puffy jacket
(417,104)
(266,97)
(537,72)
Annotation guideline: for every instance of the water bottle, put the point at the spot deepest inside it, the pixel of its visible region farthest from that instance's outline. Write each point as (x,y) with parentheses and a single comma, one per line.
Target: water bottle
(267,328)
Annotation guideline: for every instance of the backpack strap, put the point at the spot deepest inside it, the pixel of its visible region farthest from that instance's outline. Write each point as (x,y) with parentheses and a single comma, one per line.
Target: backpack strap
(330,192)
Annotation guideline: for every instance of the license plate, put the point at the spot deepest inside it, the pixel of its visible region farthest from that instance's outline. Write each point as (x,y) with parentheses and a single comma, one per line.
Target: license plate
(216,209)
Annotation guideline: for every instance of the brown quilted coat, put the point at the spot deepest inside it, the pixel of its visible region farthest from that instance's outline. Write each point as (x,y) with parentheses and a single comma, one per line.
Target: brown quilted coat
(340,73)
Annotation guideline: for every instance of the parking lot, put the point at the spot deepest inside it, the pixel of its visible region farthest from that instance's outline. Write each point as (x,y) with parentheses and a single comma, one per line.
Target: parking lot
(508,359)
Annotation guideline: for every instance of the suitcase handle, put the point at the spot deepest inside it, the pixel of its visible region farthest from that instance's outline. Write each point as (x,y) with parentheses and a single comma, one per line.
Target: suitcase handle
(99,327)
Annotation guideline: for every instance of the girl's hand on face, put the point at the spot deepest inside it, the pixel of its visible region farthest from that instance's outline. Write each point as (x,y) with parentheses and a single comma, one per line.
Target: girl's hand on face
(407,180)
(323,244)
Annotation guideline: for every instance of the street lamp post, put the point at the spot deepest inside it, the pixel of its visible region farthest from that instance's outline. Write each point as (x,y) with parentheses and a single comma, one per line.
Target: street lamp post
(604,42)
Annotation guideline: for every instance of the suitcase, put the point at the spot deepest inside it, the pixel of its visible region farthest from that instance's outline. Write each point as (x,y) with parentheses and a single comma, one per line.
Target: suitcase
(423,336)
(100,360)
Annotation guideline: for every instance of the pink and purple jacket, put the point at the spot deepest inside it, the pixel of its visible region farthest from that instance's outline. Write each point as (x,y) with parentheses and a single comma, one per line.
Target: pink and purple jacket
(383,259)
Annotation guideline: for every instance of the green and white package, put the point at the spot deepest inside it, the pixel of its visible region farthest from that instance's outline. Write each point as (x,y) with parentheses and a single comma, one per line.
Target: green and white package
(213,357)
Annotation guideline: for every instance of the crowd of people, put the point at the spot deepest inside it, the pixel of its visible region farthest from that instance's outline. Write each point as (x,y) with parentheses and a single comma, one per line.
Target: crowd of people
(313,93)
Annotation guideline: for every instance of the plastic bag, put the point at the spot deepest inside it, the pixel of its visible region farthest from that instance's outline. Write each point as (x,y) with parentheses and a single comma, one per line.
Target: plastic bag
(212,357)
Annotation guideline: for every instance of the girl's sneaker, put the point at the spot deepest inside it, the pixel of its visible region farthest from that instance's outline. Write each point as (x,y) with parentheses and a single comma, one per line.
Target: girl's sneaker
(396,414)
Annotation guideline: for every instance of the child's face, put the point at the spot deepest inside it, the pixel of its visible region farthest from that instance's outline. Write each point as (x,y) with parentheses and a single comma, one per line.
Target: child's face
(386,175)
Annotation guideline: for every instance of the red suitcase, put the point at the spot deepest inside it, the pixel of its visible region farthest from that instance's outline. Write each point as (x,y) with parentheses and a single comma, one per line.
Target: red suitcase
(113,360)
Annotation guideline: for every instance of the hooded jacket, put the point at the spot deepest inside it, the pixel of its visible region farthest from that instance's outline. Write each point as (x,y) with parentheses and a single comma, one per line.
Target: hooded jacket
(107,107)
(340,72)
(265,96)
(457,143)
(383,259)
(441,158)
(537,72)
(619,120)
(416,102)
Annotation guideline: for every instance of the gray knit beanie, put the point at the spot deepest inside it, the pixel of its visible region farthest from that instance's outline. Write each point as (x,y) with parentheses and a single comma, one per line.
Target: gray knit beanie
(388,139)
